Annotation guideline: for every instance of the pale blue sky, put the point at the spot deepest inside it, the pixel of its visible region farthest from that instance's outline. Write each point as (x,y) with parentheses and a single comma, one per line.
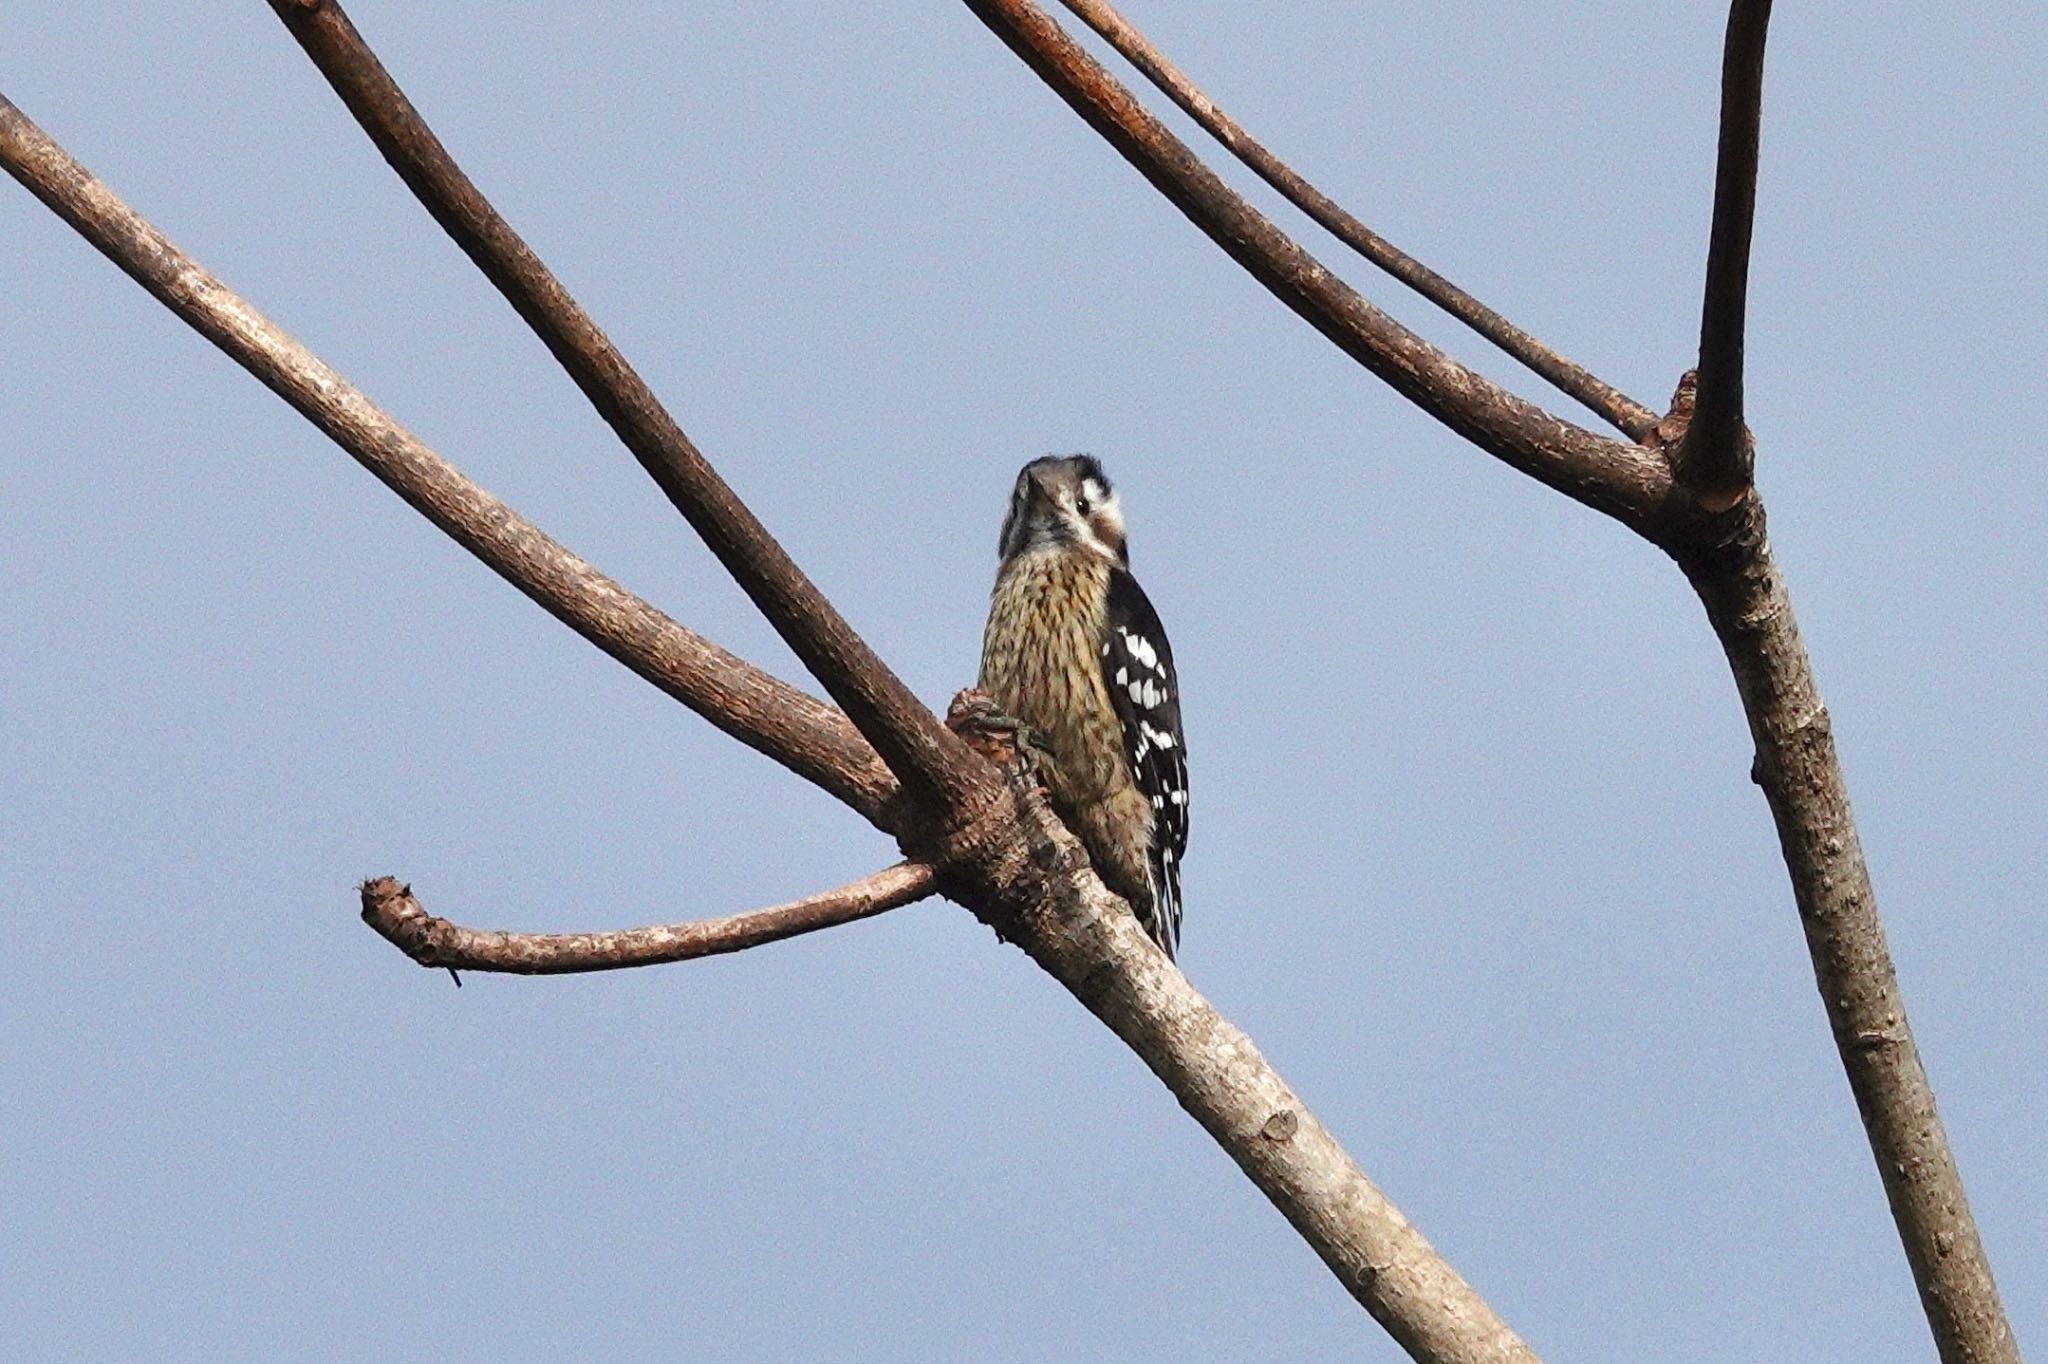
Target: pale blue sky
(1475,857)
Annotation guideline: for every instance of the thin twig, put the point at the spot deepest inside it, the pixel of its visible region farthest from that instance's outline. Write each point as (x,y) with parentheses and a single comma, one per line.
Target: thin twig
(1716,460)
(1616,477)
(810,738)
(390,907)
(1570,378)
(935,767)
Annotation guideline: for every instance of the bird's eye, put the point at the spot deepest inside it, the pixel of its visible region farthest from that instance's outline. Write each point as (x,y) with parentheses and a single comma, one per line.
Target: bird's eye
(1081,503)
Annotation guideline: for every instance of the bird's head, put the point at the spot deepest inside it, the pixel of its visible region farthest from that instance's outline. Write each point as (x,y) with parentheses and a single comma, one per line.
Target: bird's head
(1064,500)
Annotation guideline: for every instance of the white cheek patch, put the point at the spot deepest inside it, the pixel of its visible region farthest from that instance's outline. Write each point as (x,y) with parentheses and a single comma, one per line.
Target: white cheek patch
(1103,501)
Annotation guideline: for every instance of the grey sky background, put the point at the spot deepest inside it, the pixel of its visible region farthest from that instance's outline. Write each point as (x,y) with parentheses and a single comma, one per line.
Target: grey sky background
(1474,857)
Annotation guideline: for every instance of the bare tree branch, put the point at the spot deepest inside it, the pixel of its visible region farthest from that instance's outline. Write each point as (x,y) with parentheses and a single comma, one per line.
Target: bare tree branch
(1025,874)
(761,711)
(1726,553)
(1717,459)
(1801,775)
(1716,533)
(1616,407)
(390,907)
(935,767)
(1012,861)
(1037,887)
(1621,479)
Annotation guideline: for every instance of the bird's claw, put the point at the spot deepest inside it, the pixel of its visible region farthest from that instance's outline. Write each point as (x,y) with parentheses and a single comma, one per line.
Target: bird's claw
(999,737)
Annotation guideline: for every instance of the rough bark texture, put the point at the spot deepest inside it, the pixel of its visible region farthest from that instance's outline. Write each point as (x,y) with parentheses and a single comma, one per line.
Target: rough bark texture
(1801,775)
(390,907)
(1027,876)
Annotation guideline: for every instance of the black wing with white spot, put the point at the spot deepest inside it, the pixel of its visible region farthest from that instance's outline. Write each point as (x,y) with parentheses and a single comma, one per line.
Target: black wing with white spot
(1137,664)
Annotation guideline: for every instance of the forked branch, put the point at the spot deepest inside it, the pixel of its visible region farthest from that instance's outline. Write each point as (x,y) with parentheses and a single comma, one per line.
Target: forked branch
(1716,532)
(1011,860)
(935,767)
(1568,377)
(1716,460)
(810,738)
(1727,556)
(390,907)
(1616,477)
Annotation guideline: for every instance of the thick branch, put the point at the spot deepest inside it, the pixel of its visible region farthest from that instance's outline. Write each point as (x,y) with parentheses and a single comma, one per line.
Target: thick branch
(761,711)
(1621,479)
(1025,874)
(1616,407)
(1716,461)
(934,766)
(1796,758)
(390,908)
(1802,778)
(1211,1067)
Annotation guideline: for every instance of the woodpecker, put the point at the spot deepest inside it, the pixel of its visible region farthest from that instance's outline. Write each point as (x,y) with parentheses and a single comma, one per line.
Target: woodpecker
(1075,653)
